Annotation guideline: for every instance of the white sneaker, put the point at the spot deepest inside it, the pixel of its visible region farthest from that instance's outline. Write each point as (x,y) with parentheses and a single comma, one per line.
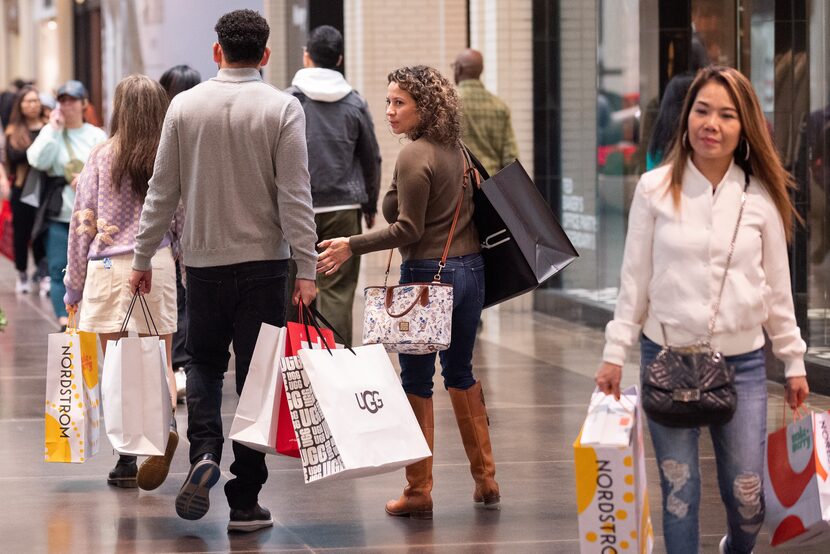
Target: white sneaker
(181,382)
(22,285)
(45,285)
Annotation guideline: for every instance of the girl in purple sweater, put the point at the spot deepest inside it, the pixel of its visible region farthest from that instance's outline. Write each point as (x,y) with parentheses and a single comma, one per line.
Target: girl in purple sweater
(108,204)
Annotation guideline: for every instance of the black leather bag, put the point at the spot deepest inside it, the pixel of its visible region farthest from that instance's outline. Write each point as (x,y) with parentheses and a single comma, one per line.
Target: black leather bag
(683,388)
(693,386)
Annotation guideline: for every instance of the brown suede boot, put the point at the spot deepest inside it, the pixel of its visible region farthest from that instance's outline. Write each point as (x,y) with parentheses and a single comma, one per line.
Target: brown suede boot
(471,415)
(416,500)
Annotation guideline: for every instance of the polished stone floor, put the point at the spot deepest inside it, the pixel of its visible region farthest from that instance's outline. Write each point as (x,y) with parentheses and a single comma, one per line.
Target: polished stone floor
(536,373)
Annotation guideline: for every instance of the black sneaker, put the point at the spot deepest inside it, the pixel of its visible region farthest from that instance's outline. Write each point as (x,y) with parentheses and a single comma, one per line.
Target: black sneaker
(245,521)
(123,475)
(193,500)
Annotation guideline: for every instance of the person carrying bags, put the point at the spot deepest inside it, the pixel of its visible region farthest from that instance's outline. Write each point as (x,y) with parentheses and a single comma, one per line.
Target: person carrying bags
(705,272)
(420,207)
(108,205)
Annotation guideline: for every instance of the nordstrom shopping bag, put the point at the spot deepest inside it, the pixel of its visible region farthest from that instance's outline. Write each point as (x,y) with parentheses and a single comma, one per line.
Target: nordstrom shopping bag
(136,397)
(611,494)
(73,397)
(796,486)
(262,420)
(350,413)
(518,232)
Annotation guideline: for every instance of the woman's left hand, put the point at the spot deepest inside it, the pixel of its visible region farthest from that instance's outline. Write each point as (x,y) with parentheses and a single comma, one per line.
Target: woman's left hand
(337,252)
(796,391)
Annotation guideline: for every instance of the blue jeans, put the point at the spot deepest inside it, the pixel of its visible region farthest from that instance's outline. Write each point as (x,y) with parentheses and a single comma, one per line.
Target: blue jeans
(739,455)
(57,241)
(228,304)
(466,275)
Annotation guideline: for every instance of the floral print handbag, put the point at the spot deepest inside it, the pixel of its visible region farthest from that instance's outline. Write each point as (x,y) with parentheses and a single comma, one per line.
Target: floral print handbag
(415,318)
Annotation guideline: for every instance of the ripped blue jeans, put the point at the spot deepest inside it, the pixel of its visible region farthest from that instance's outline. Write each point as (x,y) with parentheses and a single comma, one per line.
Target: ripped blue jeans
(739,455)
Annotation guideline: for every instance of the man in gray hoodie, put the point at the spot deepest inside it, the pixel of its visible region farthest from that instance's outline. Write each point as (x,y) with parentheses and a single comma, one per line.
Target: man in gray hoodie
(233,151)
(344,164)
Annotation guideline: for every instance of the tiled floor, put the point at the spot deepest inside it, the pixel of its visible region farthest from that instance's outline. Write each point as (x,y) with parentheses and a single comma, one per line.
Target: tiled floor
(536,373)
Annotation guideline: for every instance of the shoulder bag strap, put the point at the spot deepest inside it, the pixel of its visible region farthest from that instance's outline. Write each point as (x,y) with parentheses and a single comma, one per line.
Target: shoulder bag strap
(437,277)
(728,261)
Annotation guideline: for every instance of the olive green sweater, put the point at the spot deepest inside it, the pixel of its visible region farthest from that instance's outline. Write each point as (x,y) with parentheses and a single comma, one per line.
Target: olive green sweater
(420,206)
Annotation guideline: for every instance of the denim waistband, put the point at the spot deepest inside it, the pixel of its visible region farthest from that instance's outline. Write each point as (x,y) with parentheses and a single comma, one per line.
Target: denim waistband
(468,260)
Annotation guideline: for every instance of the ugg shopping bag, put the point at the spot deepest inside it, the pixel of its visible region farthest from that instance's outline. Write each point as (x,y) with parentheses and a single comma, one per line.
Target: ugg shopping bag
(350,413)
(262,421)
(73,397)
(611,493)
(796,485)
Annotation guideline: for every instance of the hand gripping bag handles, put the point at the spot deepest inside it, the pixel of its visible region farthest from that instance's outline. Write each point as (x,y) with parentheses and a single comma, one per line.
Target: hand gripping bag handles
(415,318)
(73,396)
(693,386)
(136,397)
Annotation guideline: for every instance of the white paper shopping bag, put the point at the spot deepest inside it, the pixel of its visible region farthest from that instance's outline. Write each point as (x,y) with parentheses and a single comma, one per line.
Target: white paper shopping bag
(797,482)
(611,494)
(609,420)
(136,397)
(256,418)
(73,397)
(350,413)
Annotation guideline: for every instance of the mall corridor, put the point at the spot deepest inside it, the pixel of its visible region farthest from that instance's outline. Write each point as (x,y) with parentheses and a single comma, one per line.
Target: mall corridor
(535,370)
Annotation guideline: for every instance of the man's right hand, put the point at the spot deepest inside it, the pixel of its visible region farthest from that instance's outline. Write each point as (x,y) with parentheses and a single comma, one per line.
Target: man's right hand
(306,290)
(56,120)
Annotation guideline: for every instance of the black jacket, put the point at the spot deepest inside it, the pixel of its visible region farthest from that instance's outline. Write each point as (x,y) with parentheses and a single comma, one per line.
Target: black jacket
(343,154)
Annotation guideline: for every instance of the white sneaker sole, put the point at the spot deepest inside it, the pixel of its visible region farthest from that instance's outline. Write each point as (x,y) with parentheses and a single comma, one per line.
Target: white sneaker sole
(249,526)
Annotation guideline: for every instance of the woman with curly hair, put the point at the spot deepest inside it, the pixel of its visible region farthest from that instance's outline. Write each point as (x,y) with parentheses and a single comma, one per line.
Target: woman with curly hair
(422,105)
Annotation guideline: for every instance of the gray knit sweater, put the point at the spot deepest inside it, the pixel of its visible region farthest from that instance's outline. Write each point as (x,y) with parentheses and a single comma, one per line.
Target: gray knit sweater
(233,149)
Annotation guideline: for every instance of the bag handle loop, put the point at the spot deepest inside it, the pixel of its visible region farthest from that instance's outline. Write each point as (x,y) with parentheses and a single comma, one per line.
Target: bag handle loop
(422,298)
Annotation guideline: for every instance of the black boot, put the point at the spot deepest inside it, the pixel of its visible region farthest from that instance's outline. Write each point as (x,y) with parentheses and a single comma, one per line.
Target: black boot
(124,473)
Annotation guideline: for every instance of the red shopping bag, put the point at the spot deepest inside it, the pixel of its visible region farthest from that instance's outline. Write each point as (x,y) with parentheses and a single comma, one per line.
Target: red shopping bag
(6,237)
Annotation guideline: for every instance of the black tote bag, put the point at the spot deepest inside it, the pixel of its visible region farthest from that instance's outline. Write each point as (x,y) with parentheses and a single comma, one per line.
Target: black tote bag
(522,243)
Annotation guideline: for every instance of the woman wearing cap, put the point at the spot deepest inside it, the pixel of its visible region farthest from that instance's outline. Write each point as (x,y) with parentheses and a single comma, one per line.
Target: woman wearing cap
(61,149)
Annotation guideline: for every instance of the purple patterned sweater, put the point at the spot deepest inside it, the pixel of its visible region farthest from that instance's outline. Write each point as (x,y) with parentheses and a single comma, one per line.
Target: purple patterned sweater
(105,222)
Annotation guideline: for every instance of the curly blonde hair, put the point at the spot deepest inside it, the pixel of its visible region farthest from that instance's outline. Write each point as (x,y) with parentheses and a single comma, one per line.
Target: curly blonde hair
(436,101)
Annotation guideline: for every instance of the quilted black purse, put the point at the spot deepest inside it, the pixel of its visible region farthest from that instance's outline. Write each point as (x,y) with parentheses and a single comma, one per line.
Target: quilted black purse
(693,386)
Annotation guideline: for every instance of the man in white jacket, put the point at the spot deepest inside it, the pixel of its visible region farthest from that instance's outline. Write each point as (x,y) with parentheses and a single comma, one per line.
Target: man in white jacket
(343,162)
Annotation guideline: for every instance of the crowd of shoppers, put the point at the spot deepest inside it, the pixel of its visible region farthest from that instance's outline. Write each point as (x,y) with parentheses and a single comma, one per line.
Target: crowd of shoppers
(234,178)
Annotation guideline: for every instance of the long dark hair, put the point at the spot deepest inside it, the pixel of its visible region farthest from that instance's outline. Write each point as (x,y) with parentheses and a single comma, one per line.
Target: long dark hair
(137,116)
(178,79)
(764,162)
(17,131)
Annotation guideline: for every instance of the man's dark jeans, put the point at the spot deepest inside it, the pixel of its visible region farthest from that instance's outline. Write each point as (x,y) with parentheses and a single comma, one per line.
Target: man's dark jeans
(228,304)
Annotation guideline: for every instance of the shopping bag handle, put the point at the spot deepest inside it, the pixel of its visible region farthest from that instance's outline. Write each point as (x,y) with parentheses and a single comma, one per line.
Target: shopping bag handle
(798,413)
(311,314)
(145,309)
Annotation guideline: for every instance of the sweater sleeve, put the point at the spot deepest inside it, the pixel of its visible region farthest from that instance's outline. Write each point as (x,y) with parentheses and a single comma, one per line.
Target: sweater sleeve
(44,151)
(294,190)
(781,326)
(163,195)
(82,230)
(622,332)
(413,178)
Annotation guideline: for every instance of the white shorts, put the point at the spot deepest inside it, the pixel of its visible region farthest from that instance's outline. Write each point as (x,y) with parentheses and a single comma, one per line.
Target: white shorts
(107,296)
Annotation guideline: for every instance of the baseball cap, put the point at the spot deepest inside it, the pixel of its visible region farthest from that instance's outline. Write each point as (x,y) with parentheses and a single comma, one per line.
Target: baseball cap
(75,89)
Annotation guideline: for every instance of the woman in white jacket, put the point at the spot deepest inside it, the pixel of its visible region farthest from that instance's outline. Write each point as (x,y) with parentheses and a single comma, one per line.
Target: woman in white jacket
(681,224)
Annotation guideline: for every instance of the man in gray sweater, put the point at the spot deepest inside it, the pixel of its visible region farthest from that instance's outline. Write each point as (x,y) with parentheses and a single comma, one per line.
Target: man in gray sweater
(233,150)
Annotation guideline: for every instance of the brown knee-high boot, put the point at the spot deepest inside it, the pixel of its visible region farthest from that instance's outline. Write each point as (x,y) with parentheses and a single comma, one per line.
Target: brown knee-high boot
(471,415)
(416,500)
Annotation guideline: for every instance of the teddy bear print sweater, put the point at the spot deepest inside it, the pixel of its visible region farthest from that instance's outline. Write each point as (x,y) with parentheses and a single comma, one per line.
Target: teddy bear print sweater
(105,221)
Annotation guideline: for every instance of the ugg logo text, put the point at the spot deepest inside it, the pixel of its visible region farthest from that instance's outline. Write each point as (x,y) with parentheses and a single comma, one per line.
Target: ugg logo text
(369,400)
